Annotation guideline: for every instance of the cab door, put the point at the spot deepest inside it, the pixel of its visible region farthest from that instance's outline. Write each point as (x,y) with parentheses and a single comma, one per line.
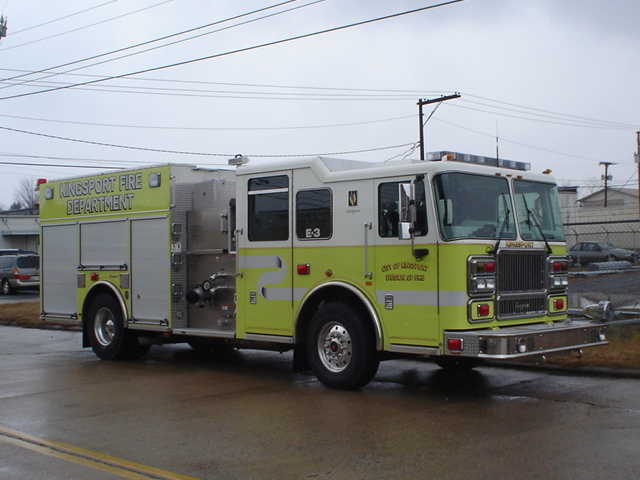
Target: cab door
(264,236)
(406,272)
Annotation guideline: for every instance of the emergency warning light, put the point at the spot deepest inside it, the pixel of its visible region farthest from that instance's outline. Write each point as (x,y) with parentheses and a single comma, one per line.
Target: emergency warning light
(444,156)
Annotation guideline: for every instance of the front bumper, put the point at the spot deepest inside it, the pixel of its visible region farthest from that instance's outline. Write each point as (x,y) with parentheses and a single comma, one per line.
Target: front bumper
(527,340)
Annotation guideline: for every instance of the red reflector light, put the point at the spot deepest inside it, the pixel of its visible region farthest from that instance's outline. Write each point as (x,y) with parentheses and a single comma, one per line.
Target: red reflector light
(485,267)
(560,266)
(483,310)
(558,304)
(454,344)
(304,269)
(94,277)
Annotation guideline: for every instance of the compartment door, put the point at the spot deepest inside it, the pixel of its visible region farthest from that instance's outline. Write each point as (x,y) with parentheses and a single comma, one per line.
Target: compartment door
(59,287)
(150,270)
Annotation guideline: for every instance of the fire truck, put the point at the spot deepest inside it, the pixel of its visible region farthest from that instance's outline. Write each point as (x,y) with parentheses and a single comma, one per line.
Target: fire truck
(459,258)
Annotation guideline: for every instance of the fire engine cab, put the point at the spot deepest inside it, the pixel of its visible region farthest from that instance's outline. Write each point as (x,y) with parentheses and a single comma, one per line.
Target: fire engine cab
(459,258)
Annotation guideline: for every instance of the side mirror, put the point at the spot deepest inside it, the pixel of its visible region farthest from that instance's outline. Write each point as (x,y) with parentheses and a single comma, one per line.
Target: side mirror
(404,231)
(407,214)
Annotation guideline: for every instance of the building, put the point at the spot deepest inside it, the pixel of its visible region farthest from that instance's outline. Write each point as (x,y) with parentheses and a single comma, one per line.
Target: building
(617,223)
(20,229)
(622,204)
(568,198)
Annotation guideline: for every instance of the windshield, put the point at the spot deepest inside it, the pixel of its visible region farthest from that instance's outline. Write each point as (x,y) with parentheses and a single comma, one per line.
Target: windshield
(538,210)
(474,206)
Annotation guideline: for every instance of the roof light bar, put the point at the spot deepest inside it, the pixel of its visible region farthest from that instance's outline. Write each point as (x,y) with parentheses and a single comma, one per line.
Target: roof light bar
(444,156)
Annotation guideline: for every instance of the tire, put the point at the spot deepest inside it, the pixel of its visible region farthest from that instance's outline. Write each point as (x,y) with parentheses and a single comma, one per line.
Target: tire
(134,349)
(457,364)
(341,347)
(7,289)
(105,328)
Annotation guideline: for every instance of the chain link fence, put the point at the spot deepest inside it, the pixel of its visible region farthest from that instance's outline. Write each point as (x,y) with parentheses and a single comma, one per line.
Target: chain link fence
(605,265)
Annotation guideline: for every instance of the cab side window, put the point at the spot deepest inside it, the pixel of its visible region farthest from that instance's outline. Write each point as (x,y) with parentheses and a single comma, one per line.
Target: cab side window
(268,209)
(388,209)
(314,216)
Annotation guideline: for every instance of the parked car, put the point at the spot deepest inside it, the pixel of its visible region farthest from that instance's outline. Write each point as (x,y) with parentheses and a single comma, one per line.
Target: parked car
(19,272)
(14,251)
(592,252)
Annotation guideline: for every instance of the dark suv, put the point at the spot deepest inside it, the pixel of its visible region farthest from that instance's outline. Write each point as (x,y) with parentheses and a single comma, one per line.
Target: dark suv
(19,272)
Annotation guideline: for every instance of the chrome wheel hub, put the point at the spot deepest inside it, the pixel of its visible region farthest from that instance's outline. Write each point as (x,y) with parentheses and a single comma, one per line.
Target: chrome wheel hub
(104,327)
(334,347)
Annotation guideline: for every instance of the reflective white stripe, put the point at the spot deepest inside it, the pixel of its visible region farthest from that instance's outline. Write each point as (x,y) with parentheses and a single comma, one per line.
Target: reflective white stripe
(453,299)
(287,294)
(272,278)
(423,298)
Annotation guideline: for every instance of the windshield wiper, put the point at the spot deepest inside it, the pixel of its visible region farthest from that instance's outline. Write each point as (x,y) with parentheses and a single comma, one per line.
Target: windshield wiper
(531,215)
(505,222)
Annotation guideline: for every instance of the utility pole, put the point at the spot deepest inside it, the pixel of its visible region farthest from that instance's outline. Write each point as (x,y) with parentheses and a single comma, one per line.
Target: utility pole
(637,159)
(420,115)
(606,178)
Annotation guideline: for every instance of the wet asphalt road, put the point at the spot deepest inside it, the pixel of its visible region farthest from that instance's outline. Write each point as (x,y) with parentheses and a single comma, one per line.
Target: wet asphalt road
(243,415)
(21,296)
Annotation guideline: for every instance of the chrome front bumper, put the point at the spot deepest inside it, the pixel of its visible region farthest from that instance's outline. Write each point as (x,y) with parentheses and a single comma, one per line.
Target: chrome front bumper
(527,340)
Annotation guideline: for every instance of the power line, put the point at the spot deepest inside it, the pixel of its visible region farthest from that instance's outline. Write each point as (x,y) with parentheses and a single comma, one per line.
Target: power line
(560,119)
(160,127)
(103,144)
(246,22)
(241,50)
(411,93)
(206,154)
(514,142)
(549,112)
(61,18)
(94,57)
(88,26)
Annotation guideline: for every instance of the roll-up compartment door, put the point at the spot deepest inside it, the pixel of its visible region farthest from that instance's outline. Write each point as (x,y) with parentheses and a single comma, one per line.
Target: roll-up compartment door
(150,270)
(59,270)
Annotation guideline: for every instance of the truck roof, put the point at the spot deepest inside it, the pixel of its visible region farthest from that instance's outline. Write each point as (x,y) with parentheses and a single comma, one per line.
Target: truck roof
(337,169)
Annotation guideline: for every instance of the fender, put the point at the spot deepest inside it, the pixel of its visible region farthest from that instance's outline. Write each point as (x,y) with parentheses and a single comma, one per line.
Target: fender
(358,293)
(102,285)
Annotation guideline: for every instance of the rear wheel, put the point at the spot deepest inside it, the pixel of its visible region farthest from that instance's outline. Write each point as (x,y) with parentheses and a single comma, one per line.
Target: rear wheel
(107,335)
(341,347)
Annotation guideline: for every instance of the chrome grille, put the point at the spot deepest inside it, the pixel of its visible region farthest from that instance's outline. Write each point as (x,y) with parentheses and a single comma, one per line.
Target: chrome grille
(519,272)
(516,307)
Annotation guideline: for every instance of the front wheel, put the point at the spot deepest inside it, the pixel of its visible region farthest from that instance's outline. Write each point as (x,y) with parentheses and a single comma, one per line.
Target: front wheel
(341,347)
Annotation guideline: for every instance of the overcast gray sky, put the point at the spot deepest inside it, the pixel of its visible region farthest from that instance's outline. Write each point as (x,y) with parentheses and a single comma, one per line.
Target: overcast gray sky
(555,80)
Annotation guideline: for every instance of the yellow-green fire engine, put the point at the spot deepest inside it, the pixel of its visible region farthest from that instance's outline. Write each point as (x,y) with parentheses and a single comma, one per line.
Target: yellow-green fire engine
(459,258)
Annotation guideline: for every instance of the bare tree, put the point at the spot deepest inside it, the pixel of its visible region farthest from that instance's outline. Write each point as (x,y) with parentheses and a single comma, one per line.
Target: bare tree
(26,195)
